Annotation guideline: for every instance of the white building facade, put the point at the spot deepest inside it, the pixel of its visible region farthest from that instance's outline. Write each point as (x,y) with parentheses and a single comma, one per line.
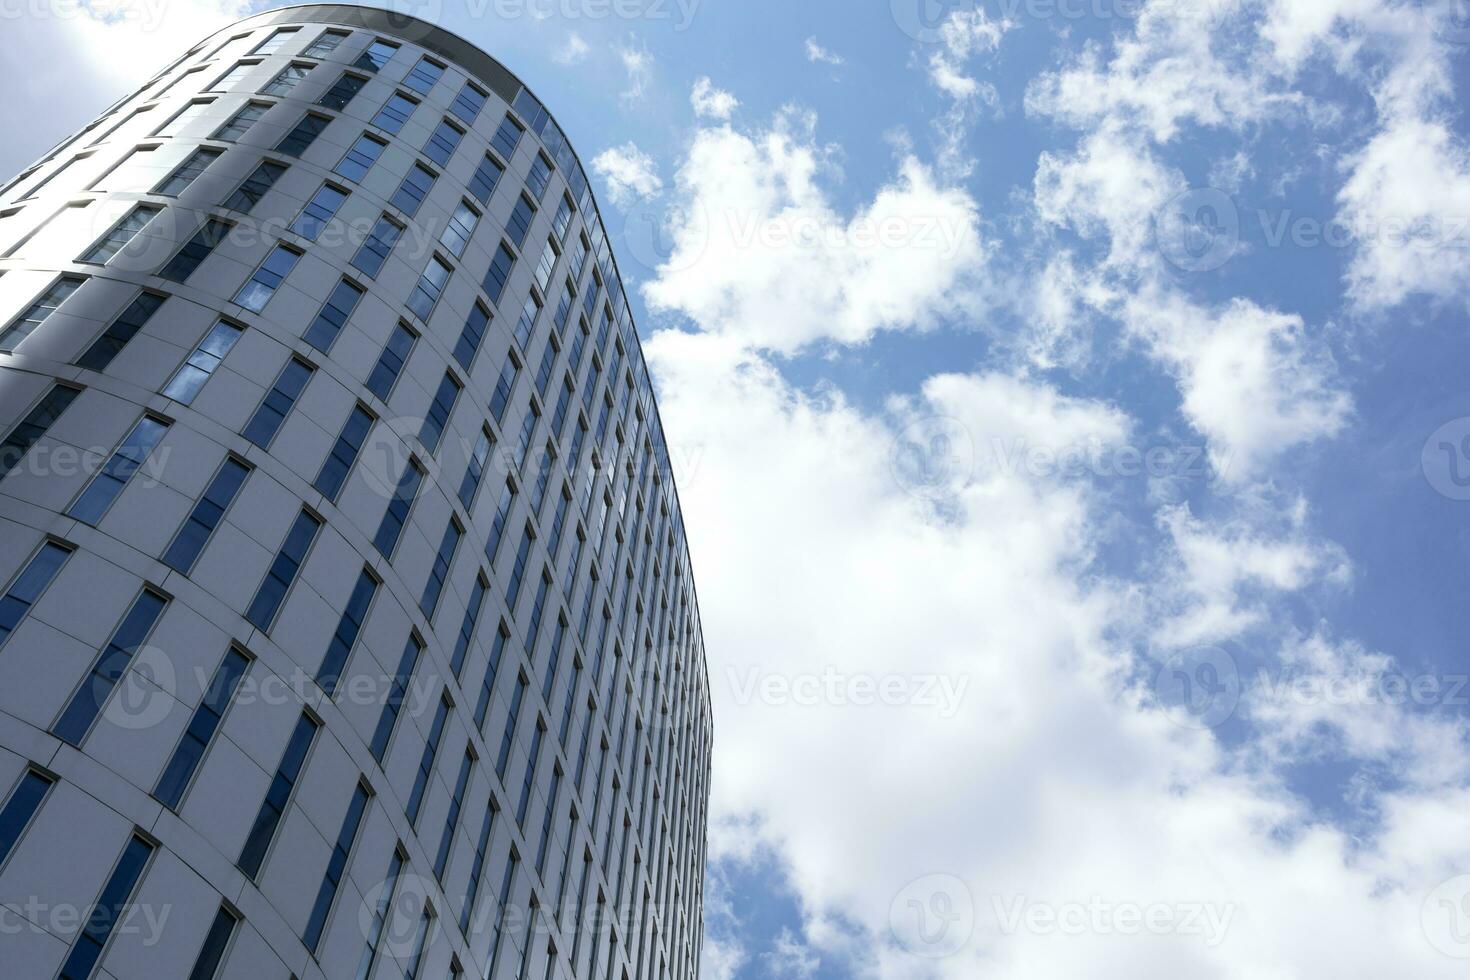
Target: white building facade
(347,623)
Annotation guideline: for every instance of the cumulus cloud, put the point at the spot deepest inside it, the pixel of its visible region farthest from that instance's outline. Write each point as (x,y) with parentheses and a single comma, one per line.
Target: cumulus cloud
(760,252)
(711,102)
(631,174)
(962,35)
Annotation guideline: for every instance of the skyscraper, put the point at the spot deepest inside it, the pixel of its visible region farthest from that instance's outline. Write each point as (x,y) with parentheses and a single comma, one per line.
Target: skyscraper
(347,624)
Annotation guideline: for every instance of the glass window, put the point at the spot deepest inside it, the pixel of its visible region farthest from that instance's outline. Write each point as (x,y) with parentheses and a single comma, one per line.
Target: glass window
(120,331)
(288,79)
(87,701)
(282,573)
(274,43)
(196,250)
(319,211)
(504,384)
(199,526)
(118,238)
(545,265)
(429,288)
(21,806)
(396,516)
(348,628)
(38,312)
(333,316)
(248,194)
(336,867)
(390,362)
(278,796)
(277,404)
(443,142)
(190,169)
(360,158)
(26,588)
(184,116)
(190,377)
(425,76)
(498,273)
(486,177)
(307,130)
(216,941)
(232,78)
(443,561)
(375,248)
(262,285)
(342,91)
(415,187)
(526,325)
(112,907)
(451,819)
(397,691)
(461,226)
(521,217)
(325,44)
(376,56)
(540,176)
(507,137)
(562,223)
(109,481)
(344,453)
(241,122)
(475,469)
(498,522)
(471,336)
(31,428)
(492,669)
(437,419)
(200,732)
(395,112)
(468,103)
(467,626)
(426,761)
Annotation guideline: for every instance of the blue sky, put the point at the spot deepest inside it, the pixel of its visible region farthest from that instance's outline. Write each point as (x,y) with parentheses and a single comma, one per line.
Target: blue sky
(917,279)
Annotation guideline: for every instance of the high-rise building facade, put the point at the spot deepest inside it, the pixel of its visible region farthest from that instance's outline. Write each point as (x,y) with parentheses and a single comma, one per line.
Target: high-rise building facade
(347,625)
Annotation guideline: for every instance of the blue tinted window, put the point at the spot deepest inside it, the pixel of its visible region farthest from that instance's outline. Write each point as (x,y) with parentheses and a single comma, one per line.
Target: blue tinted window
(344,453)
(27,587)
(333,316)
(390,362)
(348,628)
(203,725)
(205,516)
(375,248)
(282,573)
(114,475)
(391,527)
(277,403)
(278,796)
(111,907)
(86,704)
(358,160)
(396,694)
(336,867)
(18,810)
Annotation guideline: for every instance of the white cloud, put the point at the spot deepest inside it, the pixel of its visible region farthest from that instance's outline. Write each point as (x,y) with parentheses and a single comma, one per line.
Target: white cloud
(711,102)
(638,63)
(1252,380)
(1407,204)
(574,50)
(630,173)
(761,254)
(817,54)
(963,35)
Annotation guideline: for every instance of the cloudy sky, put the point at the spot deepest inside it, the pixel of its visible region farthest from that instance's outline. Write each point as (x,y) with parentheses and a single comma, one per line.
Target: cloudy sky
(1069,398)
